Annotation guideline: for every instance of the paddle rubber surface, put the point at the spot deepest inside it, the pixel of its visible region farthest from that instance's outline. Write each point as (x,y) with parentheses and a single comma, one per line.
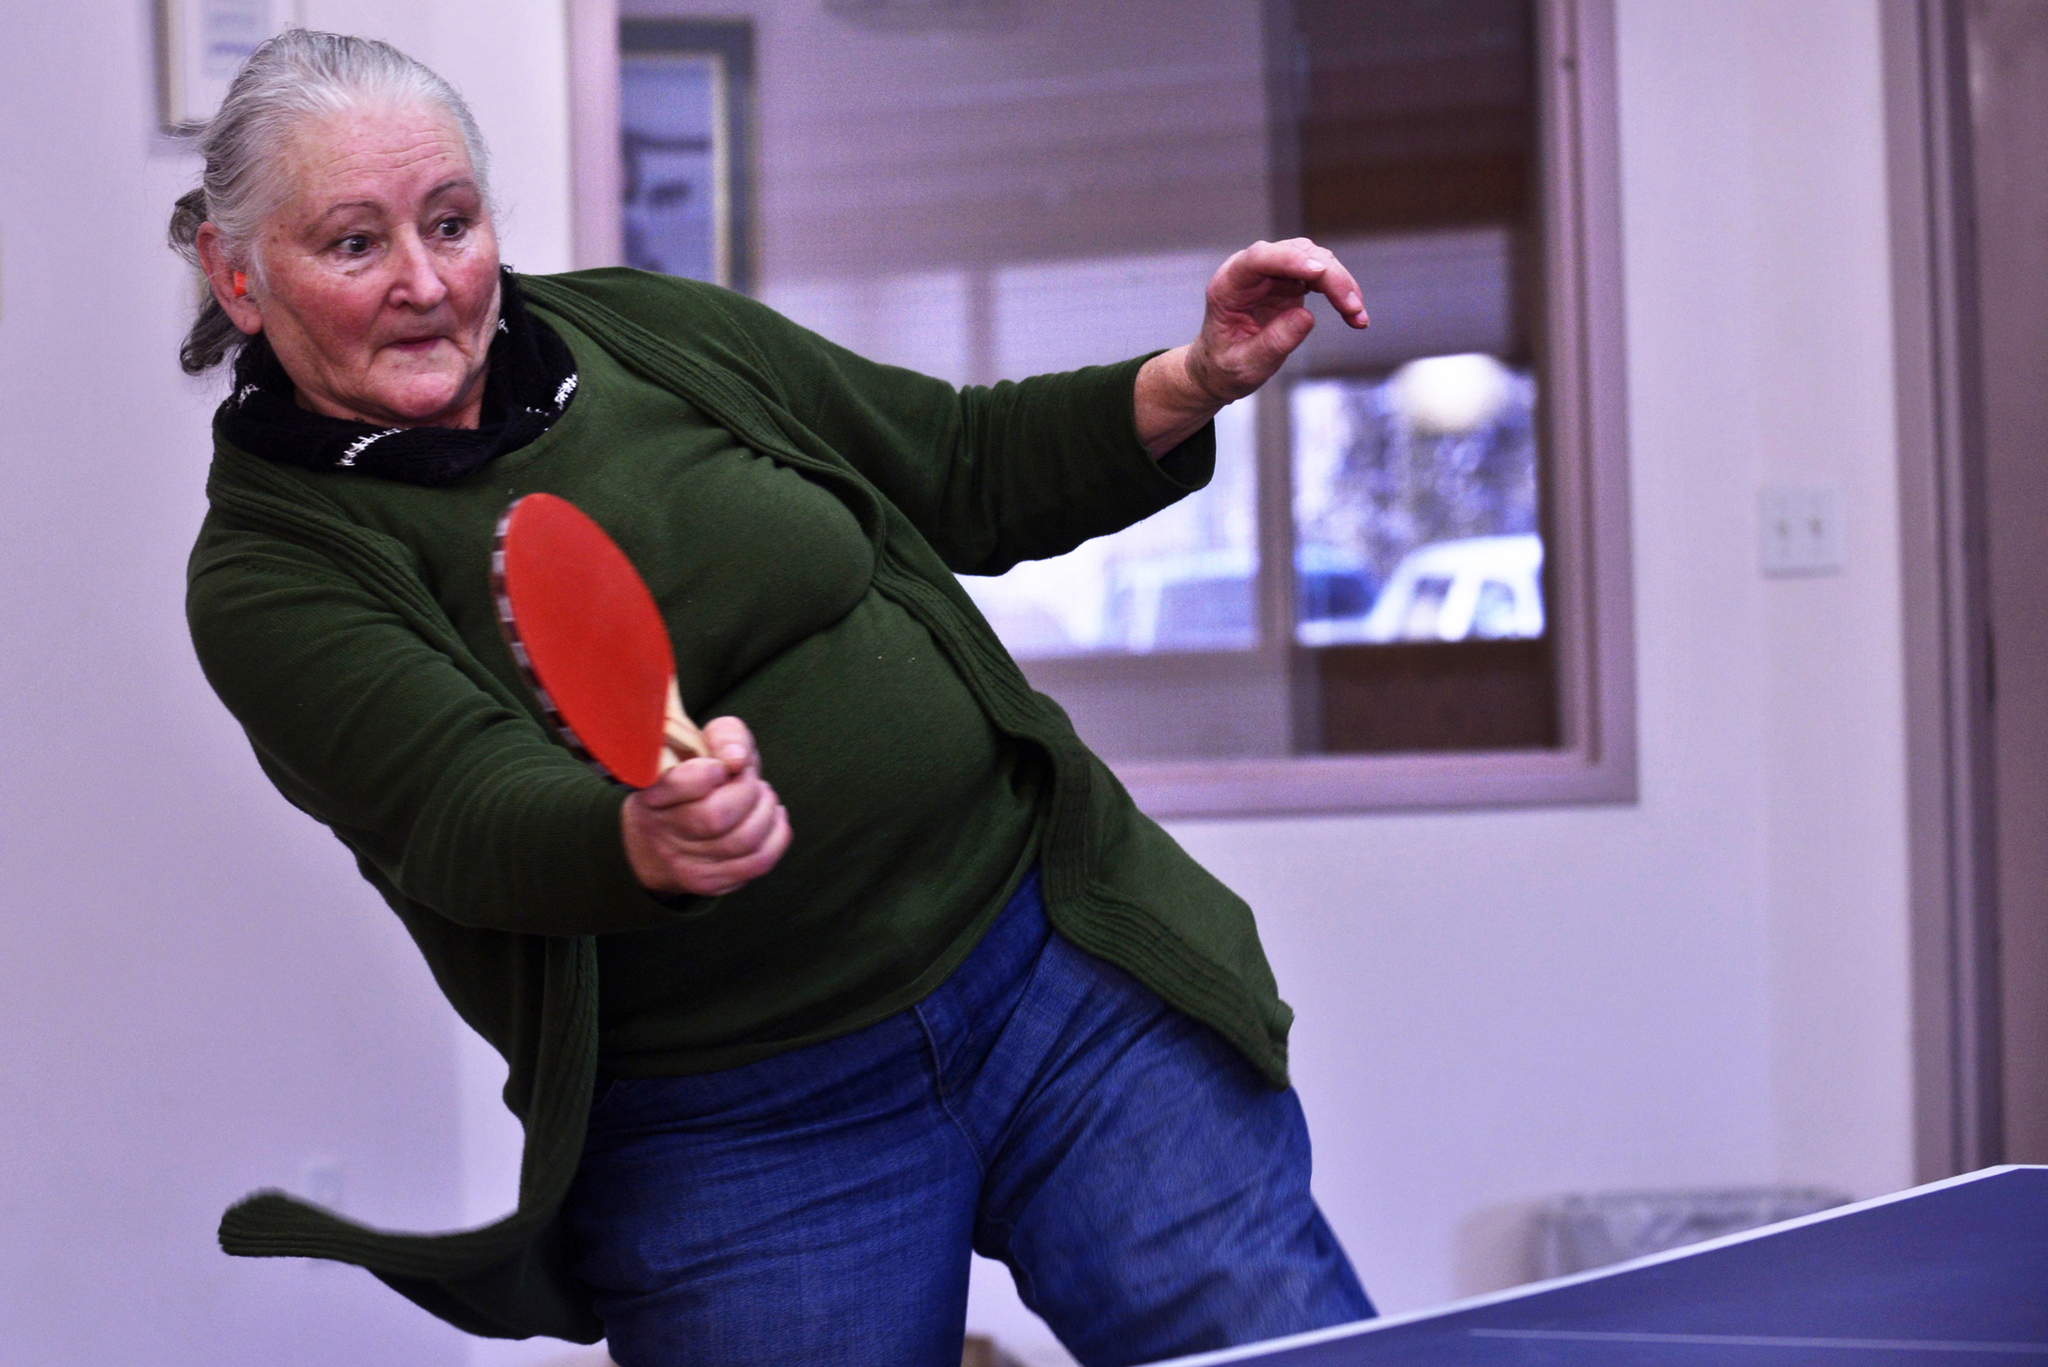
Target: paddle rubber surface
(586,632)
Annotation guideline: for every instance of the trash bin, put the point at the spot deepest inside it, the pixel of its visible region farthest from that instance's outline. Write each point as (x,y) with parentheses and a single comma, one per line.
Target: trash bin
(1578,1233)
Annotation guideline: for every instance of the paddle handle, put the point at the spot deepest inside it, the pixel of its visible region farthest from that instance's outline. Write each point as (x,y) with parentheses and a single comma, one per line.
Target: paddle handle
(682,740)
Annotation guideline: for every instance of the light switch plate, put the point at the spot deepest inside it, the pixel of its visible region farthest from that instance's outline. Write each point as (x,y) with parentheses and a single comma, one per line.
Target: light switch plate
(1801,528)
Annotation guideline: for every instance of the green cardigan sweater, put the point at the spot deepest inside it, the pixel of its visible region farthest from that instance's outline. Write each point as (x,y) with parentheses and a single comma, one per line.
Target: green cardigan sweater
(941,481)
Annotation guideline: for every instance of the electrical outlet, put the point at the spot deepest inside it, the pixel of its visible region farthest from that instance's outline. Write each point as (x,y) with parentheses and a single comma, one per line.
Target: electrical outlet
(1802,529)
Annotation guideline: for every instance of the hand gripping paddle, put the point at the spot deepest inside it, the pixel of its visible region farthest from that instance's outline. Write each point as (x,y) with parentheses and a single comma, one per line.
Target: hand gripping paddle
(590,641)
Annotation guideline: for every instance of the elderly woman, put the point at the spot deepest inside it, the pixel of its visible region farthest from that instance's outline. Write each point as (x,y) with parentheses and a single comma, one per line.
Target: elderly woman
(785,1054)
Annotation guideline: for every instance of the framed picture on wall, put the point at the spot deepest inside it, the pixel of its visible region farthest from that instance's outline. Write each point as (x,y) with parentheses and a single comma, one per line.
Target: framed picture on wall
(685,110)
(204,42)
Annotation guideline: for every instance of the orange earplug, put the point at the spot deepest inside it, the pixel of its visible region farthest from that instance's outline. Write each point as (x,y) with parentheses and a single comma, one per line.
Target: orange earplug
(241,284)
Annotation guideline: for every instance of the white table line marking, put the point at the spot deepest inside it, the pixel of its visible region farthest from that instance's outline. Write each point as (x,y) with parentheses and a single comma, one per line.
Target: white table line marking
(1764,1341)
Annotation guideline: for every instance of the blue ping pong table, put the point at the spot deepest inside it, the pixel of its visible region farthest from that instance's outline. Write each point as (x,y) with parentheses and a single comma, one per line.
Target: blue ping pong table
(1955,1272)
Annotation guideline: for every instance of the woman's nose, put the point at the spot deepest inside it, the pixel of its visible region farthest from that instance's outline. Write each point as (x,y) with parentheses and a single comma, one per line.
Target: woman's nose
(418,284)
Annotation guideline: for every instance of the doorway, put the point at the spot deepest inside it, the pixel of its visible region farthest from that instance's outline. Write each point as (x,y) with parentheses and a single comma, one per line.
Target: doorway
(1968,83)
(2007,55)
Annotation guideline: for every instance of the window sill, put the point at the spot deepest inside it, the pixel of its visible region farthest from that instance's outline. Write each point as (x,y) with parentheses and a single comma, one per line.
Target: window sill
(1196,789)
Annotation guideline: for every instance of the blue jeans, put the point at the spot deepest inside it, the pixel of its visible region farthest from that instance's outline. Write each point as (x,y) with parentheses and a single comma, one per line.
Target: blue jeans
(1147,1190)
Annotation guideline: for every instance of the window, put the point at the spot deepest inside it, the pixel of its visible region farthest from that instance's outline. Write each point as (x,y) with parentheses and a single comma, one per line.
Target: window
(1407,583)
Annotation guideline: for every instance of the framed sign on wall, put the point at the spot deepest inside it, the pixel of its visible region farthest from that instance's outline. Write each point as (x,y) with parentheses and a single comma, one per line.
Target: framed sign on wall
(685,90)
(203,44)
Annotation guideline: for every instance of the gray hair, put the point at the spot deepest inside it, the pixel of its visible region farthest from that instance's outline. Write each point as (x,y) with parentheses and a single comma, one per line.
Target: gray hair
(295,78)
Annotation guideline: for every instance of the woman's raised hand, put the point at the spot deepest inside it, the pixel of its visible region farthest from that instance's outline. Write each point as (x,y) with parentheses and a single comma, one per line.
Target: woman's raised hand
(1257,312)
(1255,315)
(707,826)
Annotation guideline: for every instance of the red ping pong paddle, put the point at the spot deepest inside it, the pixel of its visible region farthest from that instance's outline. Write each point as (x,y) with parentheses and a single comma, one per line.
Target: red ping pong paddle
(590,641)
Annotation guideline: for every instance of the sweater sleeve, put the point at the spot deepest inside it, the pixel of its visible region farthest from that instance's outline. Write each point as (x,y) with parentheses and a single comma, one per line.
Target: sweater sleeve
(989,475)
(462,803)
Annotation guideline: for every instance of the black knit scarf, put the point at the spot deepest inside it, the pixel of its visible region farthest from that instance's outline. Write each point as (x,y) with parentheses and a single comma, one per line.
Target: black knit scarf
(532,378)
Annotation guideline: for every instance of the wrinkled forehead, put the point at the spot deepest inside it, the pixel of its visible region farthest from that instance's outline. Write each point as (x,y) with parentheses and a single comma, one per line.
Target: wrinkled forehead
(394,158)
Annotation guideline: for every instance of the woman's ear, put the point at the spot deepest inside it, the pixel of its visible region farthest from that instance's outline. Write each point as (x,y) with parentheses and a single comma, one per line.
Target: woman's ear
(230,287)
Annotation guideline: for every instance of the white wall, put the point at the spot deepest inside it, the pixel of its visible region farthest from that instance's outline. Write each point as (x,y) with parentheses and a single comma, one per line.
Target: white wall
(198,994)
(1835,748)
(1706,987)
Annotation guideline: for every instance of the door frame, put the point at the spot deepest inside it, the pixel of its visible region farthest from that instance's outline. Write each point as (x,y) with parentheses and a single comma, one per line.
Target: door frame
(1951,799)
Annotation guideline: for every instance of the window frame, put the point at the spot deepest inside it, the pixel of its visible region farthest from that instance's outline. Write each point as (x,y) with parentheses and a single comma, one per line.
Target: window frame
(1589,609)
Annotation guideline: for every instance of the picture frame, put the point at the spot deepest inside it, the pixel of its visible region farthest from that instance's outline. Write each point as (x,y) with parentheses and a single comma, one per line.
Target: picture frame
(202,44)
(685,148)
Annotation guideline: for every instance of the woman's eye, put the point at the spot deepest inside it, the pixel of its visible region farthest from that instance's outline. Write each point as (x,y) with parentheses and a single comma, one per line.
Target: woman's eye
(355,244)
(451,227)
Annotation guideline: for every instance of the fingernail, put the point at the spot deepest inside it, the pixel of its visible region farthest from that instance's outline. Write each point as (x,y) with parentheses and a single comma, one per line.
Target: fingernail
(732,752)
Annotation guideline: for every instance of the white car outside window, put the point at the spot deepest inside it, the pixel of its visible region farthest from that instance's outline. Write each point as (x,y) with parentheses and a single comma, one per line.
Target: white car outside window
(1475,588)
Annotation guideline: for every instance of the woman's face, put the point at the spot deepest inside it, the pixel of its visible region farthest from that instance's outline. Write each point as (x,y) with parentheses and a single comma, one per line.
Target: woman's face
(379,288)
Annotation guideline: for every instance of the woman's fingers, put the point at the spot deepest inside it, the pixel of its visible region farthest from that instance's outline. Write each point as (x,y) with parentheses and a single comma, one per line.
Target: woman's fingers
(1338,286)
(719,813)
(1256,315)
(715,879)
(731,743)
(1283,271)
(691,780)
(711,869)
(1284,334)
(707,826)
(746,832)
(667,859)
